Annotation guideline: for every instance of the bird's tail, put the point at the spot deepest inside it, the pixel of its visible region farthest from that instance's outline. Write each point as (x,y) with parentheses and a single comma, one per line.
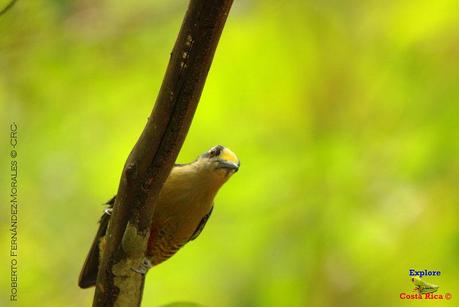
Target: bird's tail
(88,274)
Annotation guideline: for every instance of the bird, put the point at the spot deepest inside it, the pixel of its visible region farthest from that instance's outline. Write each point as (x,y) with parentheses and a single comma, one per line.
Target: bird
(184,205)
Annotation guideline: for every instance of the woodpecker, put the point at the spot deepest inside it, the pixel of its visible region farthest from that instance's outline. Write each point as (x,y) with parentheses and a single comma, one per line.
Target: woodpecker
(184,205)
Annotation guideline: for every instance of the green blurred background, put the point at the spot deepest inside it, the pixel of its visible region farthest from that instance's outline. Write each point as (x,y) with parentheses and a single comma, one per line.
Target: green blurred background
(345,115)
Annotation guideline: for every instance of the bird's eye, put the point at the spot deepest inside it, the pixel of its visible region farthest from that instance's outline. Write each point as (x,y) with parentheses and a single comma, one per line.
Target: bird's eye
(214,152)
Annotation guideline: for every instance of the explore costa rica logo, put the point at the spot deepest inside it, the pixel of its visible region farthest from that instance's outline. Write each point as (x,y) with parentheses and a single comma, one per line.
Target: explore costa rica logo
(424,289)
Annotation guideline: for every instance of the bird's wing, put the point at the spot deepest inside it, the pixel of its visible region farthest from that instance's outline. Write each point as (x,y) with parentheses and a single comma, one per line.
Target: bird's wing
(201,225)
(88,275)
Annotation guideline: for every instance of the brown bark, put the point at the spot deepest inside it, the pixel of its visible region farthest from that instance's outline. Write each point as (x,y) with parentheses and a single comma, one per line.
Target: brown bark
(154,154)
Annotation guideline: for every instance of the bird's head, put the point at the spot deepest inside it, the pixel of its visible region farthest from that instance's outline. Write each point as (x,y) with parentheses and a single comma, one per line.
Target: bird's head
(221,161)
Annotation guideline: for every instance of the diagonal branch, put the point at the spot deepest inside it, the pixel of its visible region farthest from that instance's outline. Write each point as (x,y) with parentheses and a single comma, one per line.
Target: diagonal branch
(7,7)
(154,154)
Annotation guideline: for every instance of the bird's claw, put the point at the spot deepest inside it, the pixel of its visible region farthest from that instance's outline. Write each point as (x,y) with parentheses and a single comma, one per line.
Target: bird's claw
(144,267)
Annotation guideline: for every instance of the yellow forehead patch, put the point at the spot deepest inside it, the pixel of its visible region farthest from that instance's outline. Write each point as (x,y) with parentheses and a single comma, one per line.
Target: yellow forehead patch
(228,155)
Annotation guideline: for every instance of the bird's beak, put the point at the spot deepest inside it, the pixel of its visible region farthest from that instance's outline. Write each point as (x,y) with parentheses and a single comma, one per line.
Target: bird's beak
(228,165)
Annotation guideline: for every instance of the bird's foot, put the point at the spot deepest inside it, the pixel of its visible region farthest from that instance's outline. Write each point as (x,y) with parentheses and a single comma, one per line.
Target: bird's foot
(108,211)
(144,267)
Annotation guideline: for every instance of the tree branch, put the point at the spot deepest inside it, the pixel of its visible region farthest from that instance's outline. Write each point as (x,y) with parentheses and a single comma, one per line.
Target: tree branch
(7,7)
(154,154)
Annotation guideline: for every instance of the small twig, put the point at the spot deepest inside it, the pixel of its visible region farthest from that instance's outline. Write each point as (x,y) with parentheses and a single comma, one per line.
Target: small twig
(8,7)
(154,154)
